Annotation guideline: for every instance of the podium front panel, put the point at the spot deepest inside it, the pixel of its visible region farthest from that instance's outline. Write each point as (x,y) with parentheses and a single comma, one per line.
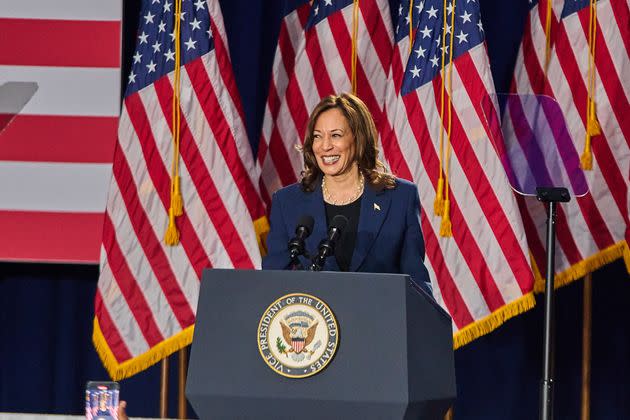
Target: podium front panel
(367,377)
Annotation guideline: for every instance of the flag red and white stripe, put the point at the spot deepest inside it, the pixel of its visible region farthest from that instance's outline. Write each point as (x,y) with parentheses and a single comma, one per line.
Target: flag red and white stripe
(56,154)
(480,275)
(147,292)
(271,161)
(313,63)
(591,230)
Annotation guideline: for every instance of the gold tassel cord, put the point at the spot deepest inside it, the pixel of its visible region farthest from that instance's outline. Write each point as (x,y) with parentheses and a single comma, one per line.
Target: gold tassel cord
(446,229)
(355,35)
(171,236)
(592,124)
(176,201)
(410,26)
(548,12)
(438,204)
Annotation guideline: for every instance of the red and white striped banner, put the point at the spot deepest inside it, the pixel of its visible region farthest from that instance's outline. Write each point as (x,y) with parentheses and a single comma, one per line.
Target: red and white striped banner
(56,154)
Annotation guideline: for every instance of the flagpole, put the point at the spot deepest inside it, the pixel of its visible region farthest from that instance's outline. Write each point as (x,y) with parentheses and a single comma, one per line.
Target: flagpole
(183,367)
(449,414)
(164,388)
(587,313)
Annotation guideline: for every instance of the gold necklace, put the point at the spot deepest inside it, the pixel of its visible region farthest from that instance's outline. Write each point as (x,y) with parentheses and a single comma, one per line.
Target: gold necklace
(328,198)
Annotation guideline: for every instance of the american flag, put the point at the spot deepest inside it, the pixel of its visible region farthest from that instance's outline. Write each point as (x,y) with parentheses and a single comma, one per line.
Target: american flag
(147,292)
(290,41)
(315,63)
(591,230)
(481,274)
(56,154)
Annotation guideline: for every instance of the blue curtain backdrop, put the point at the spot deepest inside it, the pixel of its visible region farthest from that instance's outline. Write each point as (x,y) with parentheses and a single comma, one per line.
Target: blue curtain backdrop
(46,310)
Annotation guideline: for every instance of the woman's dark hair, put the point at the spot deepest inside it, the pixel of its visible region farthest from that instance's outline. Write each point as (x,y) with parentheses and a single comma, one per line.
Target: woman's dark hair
(365,136)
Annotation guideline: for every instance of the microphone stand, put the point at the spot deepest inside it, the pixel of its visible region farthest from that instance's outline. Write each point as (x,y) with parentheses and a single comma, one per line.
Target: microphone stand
(327,245)
(294,261)
(326,248)
(552,196)
(297,244)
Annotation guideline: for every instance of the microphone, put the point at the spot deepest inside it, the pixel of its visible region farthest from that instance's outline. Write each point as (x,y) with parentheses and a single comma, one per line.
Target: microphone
(302,231)
(327,246)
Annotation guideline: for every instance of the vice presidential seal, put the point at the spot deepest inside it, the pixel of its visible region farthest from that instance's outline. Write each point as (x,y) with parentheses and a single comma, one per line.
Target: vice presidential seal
(297,335)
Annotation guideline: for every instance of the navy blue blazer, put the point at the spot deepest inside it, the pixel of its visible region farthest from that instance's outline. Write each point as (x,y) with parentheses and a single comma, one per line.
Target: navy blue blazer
(389,237)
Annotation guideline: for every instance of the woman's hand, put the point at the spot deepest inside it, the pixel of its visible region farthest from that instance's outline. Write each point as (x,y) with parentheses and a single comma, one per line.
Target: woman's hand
(122,414)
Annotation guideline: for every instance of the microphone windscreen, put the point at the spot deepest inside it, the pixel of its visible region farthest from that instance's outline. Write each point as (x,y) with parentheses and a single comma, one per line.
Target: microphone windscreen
(339,221)
(307,222)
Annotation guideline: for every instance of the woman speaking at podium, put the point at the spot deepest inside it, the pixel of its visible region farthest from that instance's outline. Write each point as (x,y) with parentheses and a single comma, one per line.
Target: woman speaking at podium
(346,204)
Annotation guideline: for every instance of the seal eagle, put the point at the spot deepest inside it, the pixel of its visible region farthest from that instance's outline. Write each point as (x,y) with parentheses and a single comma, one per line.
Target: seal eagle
(297,338)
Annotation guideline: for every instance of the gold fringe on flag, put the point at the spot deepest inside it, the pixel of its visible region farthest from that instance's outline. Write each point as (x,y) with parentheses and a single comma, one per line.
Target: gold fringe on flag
(261,227)
(526,302)
(584,267)
(494,320)
(118,371)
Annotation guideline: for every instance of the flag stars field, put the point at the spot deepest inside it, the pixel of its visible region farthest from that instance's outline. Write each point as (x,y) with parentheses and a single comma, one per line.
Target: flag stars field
(462,37)
(195,24)
(420,51)
(148,18)
(190,44)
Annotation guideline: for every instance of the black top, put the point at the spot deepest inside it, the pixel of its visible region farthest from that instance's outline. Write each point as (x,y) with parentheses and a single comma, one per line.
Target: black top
(345,245)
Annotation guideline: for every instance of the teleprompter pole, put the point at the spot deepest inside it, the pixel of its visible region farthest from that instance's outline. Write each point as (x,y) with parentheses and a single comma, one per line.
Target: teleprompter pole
(552,196)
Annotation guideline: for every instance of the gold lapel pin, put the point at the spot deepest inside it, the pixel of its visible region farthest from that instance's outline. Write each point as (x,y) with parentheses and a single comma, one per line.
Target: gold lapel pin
(377,207)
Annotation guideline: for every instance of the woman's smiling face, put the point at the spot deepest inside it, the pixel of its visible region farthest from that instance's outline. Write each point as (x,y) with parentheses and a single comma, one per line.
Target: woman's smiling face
(333,143)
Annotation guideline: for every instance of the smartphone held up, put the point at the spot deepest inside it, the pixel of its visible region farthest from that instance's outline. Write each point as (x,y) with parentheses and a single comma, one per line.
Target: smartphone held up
(101,400)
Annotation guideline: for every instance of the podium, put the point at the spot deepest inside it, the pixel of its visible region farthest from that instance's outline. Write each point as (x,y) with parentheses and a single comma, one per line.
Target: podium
(393,354)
